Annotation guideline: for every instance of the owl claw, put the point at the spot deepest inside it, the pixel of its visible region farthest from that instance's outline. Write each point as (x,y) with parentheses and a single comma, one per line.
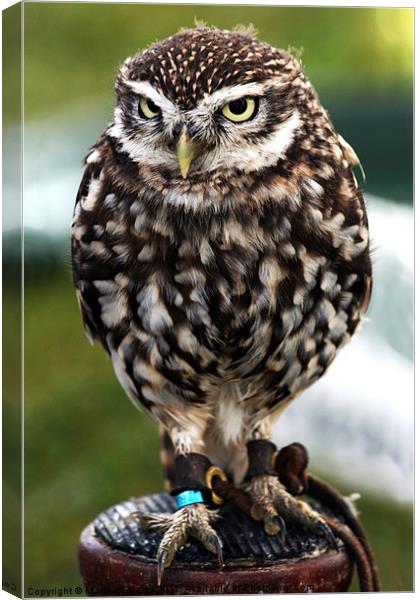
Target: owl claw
(283,533)
(325,529)
(194,520)
(273,505)
(282,528)
(215,545)
(162,562)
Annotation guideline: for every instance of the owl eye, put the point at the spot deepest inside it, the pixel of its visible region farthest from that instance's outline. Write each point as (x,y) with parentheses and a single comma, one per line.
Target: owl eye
(148,109)
(240,110)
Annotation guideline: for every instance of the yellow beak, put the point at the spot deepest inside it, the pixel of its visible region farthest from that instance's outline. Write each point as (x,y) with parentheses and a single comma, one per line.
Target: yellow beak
(186,151)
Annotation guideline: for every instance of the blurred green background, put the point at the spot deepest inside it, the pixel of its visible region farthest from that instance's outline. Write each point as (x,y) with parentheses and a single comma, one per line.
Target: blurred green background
(85,446)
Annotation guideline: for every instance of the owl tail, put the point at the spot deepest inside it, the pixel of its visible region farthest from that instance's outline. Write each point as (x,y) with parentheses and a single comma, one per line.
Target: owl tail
(167,457)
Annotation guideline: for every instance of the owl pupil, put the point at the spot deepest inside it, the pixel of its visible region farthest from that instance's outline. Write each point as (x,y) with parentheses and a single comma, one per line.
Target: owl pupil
(237,107)
(152,106)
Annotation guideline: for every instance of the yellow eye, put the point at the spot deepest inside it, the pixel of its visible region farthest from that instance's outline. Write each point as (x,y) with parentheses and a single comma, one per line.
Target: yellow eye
(240,110)
(148,109)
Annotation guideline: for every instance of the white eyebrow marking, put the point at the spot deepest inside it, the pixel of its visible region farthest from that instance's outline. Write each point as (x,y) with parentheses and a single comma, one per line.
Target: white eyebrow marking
(229,93)
(145,89)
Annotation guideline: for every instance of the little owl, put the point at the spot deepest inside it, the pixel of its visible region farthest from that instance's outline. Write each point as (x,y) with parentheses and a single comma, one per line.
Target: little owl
(220,254)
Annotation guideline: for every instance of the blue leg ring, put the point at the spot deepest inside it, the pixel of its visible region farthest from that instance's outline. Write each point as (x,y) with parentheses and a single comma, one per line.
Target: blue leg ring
(188,497)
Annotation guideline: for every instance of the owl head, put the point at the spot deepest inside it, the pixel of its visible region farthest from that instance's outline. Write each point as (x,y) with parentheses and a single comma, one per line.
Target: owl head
(205,101)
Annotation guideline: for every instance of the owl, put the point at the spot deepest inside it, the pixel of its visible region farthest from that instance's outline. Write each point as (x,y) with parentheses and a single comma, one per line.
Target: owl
(220,253)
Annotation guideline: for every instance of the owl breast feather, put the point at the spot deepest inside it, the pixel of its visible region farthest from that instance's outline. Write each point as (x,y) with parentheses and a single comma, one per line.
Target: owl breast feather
(183,303)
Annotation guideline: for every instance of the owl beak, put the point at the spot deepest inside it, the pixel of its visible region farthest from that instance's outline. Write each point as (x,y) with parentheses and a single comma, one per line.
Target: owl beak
(186,151)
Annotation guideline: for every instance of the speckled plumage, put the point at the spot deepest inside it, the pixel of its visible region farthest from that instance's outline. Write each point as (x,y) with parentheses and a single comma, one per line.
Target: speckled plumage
(222,295)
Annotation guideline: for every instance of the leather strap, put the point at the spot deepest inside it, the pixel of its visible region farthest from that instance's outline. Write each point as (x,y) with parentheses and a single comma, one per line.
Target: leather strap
(291,463)
(261,458)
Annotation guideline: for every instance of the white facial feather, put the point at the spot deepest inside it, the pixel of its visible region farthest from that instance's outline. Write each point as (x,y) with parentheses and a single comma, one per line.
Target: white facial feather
(232,150)
(256,156)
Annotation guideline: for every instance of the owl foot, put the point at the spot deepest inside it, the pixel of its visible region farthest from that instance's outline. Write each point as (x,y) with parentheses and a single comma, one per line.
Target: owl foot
(273,505)
(194,520)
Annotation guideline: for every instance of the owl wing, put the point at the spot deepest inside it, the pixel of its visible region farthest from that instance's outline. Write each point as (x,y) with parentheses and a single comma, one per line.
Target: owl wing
(90,261)
(353,161)
(365,300)
(350,155)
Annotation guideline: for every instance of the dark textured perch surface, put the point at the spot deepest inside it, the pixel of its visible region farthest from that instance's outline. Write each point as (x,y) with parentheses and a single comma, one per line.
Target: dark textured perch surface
(117,558)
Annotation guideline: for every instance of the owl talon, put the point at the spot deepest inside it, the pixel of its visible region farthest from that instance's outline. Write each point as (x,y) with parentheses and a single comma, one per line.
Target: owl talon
(194,520)
(213,543)
(325,529)
(162,562)
(273,505)
(274,525)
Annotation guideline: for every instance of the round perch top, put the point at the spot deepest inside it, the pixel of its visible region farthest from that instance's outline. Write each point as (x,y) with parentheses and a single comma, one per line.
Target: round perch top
(244,541)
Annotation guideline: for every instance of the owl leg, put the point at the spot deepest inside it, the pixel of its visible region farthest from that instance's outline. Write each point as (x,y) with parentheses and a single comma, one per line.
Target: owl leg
(273,505)
(192,518)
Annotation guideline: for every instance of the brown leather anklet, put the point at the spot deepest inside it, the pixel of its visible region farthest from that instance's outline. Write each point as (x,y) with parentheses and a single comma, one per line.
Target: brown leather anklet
(261,458)
(190,474)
